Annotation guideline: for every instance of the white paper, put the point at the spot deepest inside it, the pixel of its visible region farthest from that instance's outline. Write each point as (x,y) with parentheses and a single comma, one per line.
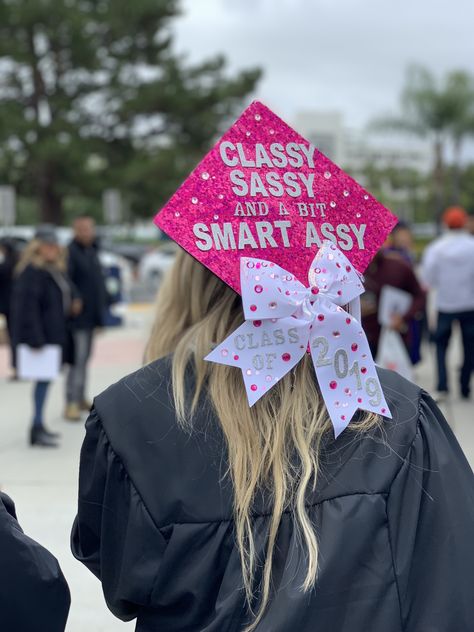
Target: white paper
(39,364)
(393,301)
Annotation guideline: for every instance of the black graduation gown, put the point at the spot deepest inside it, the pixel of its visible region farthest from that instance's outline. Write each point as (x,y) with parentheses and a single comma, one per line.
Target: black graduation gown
(394,512)
(34,596)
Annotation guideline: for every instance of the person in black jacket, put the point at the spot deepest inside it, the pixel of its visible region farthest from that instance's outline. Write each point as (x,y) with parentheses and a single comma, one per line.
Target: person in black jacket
(41,303)
(85,272)
(34,595)
(199,513)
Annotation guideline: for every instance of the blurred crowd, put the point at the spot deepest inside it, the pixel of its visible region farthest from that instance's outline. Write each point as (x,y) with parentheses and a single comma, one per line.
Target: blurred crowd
(435,293)
(56,297)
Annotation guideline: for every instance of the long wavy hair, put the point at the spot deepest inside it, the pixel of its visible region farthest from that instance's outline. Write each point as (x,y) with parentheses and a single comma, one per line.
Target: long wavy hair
(31,255)
(195,310)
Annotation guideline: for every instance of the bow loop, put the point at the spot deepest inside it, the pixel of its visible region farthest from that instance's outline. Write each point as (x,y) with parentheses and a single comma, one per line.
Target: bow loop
(269,291)
(334,275)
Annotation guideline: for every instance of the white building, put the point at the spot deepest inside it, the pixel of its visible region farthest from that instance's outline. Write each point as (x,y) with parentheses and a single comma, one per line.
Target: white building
(326,131)
(352,150)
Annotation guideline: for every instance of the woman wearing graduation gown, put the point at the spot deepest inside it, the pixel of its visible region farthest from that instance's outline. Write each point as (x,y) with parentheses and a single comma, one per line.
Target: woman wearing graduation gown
(200,514)
(34,596)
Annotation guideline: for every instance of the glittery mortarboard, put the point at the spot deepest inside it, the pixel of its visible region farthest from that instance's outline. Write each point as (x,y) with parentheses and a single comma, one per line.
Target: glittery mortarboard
(264,191)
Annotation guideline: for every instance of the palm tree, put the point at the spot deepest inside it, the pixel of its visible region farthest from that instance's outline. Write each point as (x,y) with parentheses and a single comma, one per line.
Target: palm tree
(461,86)
(430,110)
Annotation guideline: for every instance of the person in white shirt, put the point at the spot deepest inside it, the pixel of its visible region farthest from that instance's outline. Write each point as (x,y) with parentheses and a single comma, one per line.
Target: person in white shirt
(448,268)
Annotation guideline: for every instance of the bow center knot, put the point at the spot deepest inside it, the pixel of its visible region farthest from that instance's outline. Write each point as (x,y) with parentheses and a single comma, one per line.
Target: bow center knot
(310,306)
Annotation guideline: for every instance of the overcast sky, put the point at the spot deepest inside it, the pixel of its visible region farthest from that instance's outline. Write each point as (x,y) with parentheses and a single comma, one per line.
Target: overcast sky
(348,55)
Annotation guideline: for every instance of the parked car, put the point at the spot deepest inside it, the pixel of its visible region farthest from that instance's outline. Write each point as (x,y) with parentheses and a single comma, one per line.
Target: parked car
(154,265)
(118,273)
(131,251)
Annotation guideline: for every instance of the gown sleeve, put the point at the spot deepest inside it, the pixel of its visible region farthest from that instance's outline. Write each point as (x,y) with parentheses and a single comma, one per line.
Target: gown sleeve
(113,533)
(33,592)
(431,529)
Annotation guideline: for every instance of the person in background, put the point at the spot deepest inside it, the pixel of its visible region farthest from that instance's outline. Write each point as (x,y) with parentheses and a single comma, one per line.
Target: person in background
(34,594)
(42,301)
(388,268)
(470,222)
(448,268)
(85,272)
(8,261)
(400,242)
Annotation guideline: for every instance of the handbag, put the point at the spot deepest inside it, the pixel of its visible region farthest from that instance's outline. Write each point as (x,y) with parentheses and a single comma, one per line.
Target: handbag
(392,354)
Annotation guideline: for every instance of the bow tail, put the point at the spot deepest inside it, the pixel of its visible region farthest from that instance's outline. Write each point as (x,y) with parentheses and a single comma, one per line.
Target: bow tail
(265,351)
(345,368)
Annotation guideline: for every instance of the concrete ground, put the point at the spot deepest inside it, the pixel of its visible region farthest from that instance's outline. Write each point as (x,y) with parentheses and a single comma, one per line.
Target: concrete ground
(43,483)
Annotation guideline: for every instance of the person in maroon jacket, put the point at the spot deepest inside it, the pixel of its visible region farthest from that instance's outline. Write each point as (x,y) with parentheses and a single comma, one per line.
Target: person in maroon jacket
(388,268)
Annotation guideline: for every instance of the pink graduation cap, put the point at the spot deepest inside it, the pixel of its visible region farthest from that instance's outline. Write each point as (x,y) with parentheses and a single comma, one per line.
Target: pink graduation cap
(264,191)
(291,232)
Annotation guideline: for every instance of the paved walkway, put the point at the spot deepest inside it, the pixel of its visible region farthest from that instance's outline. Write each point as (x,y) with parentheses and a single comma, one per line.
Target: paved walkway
(44,483)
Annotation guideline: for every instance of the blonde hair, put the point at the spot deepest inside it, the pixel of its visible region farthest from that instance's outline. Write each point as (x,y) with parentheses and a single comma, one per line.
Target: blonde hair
(31,255)
(195,310)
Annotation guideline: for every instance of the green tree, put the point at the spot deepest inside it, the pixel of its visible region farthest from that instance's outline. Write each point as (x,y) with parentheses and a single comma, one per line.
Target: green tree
(461,86)
(92,95)
(402,189)
(466,187)
(430,109)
